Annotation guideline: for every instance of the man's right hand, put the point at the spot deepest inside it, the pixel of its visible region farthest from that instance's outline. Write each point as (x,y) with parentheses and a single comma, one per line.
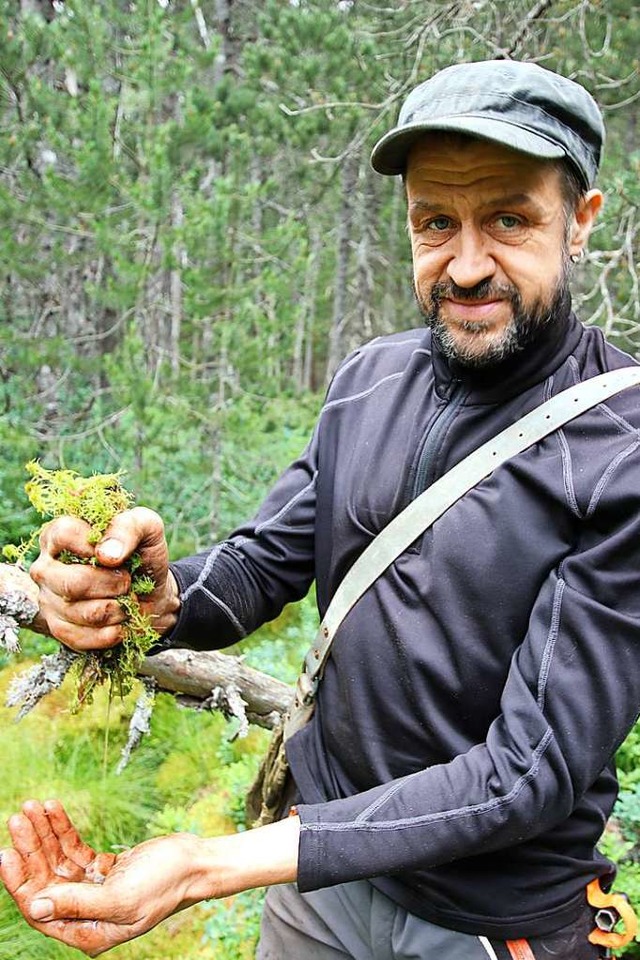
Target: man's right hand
(78,601)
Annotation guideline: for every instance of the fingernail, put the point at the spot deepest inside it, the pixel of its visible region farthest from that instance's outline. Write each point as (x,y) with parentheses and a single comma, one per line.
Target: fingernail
(111,548)
(42,910)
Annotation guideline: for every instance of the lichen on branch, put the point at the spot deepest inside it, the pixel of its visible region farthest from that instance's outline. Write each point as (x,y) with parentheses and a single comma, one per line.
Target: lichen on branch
(96,500)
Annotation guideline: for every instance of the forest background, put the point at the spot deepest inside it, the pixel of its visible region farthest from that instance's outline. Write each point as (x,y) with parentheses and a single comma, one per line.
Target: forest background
(192,238)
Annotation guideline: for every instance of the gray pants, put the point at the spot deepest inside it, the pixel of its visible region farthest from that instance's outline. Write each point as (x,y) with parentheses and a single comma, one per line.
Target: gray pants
(353,921)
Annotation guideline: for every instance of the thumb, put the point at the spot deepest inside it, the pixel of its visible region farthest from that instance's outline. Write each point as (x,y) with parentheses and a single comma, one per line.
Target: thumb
(74,901)
(138,530)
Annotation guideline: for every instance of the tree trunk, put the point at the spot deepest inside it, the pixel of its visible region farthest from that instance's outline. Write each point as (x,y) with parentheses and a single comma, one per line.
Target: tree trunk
(340,299)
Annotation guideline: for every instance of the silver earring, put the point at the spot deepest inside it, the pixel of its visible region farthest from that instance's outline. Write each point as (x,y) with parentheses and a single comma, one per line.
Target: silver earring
(577,257)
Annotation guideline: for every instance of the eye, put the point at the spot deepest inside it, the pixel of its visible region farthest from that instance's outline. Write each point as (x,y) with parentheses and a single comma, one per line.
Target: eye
(438,224)
(508,221)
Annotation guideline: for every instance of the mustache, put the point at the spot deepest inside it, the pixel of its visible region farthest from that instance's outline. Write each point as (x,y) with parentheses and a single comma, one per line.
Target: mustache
(485,290)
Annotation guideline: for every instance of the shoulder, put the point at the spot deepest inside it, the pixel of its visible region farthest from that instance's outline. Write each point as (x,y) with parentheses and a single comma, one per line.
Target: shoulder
(596,355)
(383,357)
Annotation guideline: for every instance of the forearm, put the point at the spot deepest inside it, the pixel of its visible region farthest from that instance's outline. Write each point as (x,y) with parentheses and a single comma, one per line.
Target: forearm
(231,590)
(256,858)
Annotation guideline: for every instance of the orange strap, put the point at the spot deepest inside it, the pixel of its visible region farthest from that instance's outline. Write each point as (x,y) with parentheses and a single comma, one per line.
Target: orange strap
(614,901)
(519,950)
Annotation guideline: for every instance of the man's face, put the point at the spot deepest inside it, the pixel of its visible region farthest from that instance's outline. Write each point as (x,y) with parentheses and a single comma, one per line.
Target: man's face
(490,245)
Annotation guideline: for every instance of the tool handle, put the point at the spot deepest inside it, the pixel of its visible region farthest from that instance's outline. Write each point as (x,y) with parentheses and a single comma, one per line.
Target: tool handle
(598,899)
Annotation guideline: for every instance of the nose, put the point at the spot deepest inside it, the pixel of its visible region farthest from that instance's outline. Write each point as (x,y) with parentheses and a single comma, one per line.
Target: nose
(471,261)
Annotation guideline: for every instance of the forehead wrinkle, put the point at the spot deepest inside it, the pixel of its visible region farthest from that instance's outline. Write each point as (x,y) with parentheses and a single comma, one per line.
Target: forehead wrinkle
(471,163)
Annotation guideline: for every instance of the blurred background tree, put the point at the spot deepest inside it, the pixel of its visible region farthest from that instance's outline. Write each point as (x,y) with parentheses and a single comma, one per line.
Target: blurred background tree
(194,238)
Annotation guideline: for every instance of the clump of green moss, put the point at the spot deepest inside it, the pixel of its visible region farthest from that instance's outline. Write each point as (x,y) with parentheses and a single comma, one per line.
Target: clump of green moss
(96,499)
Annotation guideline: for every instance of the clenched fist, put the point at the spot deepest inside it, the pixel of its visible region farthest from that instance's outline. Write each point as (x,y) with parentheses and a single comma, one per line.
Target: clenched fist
(79,602)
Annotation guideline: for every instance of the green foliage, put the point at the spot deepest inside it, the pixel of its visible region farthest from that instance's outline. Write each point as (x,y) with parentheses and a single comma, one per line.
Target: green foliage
(185,776)
(96,499)
(234,929)
(64,492)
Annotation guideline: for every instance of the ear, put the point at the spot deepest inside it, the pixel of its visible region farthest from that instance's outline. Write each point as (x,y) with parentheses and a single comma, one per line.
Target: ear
(583,219)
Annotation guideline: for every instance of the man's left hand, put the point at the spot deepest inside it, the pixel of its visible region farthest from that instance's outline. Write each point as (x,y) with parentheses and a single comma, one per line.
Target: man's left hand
(88,900)
(95,901)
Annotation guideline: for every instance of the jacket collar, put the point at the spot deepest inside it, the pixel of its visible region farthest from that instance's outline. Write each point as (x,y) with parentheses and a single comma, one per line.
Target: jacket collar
(515,374)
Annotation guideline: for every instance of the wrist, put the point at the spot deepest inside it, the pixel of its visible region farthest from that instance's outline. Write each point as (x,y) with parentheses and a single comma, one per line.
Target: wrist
(227,865)
(166,606)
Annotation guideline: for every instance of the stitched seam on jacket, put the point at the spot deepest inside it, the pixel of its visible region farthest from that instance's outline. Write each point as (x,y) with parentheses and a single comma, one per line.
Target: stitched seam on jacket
(225,609)
(602,407)
(608,473)
(375,344)
(552,636)
(567,474)
(204,573)
(363,394)
(370,810)
(574,367)
(620,422)
(446,815)
(287,506)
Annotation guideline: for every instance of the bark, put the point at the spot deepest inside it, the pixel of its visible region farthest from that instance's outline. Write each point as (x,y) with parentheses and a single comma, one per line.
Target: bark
(343,257)
(303,339)
(198,675)
(175,283)
(364,321)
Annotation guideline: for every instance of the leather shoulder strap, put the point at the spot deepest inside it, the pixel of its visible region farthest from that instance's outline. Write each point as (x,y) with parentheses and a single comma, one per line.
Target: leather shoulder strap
(418,516)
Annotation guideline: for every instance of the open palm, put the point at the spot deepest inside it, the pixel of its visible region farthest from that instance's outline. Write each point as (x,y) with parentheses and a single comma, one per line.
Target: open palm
(88,900)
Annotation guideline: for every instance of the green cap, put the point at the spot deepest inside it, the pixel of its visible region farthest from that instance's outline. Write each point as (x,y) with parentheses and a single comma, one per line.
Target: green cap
(519,105)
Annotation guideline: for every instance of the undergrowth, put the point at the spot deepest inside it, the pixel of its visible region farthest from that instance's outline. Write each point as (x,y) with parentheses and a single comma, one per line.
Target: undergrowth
(186,776)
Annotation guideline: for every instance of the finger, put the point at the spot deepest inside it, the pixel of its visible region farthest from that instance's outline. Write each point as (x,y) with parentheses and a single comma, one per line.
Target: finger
(81,639)
(99,869)
(138,530)
(48,841)
(71,582)
(12,871)
(66,533)
(60,864)
(71,844)
(27,843)
(93,937)
(92,613)
(81,901)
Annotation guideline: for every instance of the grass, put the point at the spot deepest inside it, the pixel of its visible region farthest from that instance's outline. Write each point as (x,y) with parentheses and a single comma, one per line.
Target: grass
(185,776)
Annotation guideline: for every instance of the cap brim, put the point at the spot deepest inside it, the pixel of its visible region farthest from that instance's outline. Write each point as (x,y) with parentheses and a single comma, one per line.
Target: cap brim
(389,156)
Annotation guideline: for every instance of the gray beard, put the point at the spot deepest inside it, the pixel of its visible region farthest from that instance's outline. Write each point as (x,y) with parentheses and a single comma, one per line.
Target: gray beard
(524,328)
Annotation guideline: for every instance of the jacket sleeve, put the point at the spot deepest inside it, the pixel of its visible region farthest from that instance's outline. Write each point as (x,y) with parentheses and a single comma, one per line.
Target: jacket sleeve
(571,695)
(230,590)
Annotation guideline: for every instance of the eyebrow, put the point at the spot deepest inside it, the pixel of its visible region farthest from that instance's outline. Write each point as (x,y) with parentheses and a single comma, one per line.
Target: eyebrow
(511,200)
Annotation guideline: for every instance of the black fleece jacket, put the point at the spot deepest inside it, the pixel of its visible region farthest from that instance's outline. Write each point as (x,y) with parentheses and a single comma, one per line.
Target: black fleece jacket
(461,753)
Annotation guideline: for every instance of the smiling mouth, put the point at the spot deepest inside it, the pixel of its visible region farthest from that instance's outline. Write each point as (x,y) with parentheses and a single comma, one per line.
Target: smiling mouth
(473,310)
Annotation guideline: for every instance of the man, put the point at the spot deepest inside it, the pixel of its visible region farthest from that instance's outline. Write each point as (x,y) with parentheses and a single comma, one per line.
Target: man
(457,773)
